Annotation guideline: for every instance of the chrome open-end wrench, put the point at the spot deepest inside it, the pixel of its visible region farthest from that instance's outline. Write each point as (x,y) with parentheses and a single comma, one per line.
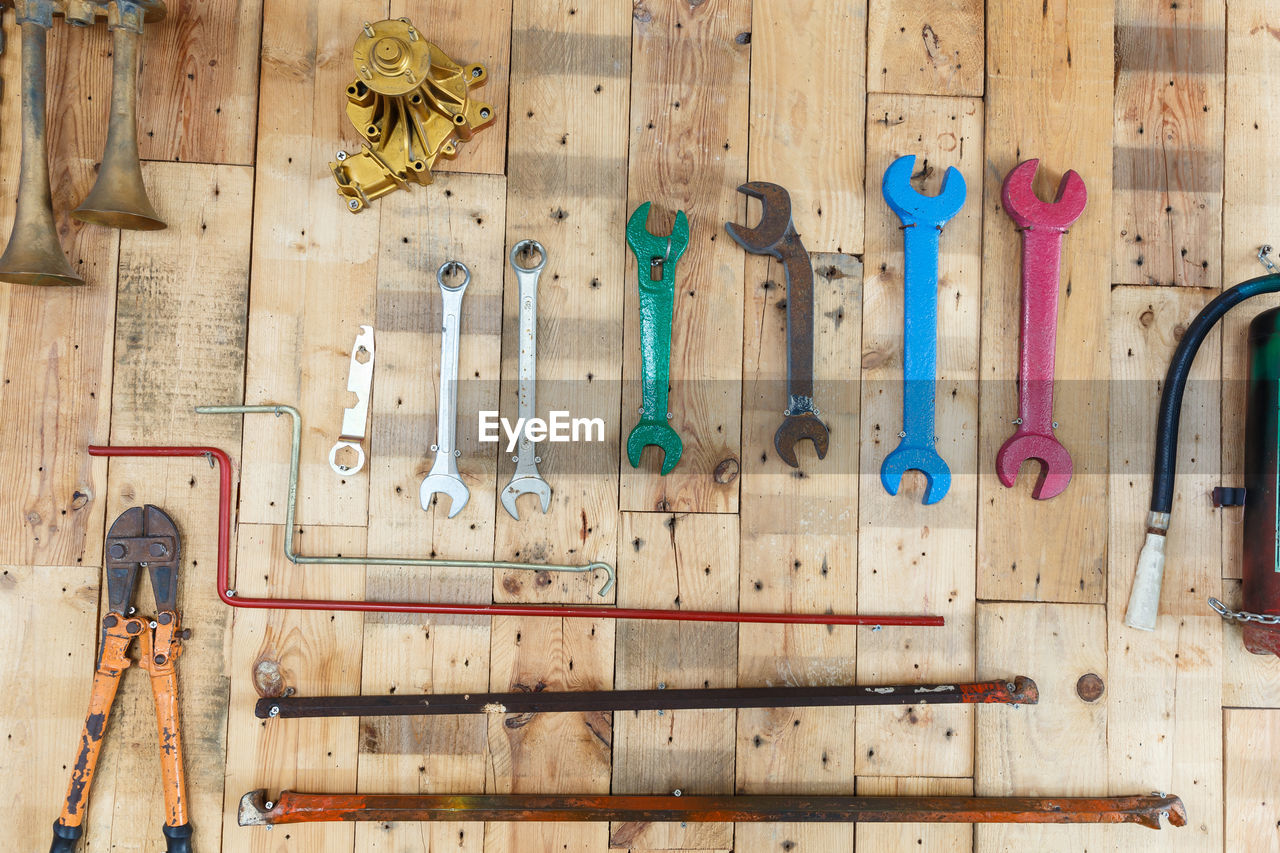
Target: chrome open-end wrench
(1042,225)
(922,220)
(443,476)
(526,479)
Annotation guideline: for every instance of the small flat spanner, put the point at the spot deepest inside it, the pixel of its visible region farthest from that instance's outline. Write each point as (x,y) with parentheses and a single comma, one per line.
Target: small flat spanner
(443,476)
(526,479)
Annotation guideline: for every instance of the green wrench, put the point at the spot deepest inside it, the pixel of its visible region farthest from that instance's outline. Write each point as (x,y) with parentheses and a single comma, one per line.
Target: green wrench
(657,301)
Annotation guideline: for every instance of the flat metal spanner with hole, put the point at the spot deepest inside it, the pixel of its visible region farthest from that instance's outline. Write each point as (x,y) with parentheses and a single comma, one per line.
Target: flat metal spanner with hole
(526,479)
(444,476)
(355,418)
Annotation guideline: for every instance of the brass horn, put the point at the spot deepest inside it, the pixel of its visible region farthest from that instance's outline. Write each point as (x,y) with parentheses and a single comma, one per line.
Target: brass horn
(34,255)
(119,198)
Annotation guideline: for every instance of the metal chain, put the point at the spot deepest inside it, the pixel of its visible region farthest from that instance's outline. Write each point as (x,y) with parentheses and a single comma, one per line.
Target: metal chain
(1243,616)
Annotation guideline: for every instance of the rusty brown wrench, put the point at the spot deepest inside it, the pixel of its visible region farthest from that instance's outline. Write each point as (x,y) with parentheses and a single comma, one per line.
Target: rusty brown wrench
(775,235)
(1042,225)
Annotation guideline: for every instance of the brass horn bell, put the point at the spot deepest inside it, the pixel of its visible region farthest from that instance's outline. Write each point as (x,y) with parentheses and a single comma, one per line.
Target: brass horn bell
(34,255)
(118,199)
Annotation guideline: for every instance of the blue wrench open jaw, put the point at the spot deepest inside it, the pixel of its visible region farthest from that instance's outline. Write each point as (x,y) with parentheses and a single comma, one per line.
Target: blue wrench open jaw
(922,220)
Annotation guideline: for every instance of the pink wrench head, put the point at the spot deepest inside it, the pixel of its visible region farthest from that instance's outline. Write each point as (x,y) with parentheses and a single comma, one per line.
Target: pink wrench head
(1028,211)
(1042,225)
(1055,462)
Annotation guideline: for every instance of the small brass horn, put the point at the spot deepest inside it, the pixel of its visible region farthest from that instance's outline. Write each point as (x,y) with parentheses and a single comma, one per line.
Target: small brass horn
(119,198)
(34,255)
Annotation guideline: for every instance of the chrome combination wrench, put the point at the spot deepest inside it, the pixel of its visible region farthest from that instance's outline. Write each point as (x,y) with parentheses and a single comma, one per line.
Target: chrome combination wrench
(443,476)
(526,479)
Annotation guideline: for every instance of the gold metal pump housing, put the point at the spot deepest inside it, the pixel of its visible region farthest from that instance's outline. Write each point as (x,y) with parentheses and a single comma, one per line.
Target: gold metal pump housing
(412,104)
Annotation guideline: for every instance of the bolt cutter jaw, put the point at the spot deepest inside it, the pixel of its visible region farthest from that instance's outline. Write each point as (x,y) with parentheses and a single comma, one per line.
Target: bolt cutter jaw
(142,537)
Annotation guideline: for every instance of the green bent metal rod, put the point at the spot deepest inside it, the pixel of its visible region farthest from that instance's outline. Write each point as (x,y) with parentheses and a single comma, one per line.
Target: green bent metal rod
(303,559)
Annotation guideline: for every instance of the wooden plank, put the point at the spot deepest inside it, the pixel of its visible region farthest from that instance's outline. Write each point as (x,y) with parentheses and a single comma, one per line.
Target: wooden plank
(1147,323)
(1252,787)
(566,187)
(1253,60)
(808,77)
(1248,680)
(1164,730)
(63,602)
(567,165)
(798,529)
(56,360)
(550,753)
(908,836)
(407,653)
(314,264)
(198,87)
(180,346)
(315,653)
(930,48)
(1168,158)
(675,561)
(1049,95)
(689,85)
(914,558)
(409,309)
(1057,747)
(467,33)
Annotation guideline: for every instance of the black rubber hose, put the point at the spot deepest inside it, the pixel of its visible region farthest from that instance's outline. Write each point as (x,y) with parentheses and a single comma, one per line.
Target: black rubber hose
(1175,382)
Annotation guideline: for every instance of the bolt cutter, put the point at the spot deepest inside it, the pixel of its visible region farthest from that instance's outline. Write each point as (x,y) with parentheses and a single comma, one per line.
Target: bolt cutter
(141,538)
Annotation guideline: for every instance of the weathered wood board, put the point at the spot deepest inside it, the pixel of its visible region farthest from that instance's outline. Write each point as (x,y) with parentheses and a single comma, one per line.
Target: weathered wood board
(689,94)
(1049,96)
(1167,164)
(914,558)
(928,48)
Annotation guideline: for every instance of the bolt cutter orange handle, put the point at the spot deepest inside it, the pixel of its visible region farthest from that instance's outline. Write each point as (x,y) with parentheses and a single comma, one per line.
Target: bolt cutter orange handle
(160,654)
(117,635)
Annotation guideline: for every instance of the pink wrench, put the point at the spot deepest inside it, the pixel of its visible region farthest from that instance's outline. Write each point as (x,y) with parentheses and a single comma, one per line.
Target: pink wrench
(1042,225)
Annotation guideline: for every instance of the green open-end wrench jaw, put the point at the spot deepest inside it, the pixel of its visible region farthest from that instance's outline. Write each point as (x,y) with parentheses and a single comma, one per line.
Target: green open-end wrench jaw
(657,302)
(660,435)
(648,246)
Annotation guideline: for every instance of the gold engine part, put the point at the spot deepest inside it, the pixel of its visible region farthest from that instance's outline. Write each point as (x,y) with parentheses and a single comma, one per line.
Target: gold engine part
(412,105)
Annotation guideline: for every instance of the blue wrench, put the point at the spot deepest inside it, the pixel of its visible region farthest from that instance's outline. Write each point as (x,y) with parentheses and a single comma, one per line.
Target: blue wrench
(922,220)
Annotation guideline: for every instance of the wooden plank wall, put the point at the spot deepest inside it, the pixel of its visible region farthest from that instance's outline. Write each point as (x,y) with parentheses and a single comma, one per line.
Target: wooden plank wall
(256,290)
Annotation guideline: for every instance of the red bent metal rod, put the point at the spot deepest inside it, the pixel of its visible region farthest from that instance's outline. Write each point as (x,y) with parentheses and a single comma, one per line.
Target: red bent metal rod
(558,610)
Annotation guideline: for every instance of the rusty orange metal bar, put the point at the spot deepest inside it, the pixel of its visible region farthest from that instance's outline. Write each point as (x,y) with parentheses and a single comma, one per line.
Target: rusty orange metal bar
(294,807)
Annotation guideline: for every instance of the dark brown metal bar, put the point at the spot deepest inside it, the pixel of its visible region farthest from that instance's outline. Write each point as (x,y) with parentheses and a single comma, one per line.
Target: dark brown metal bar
(1020,691)
(293,807)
